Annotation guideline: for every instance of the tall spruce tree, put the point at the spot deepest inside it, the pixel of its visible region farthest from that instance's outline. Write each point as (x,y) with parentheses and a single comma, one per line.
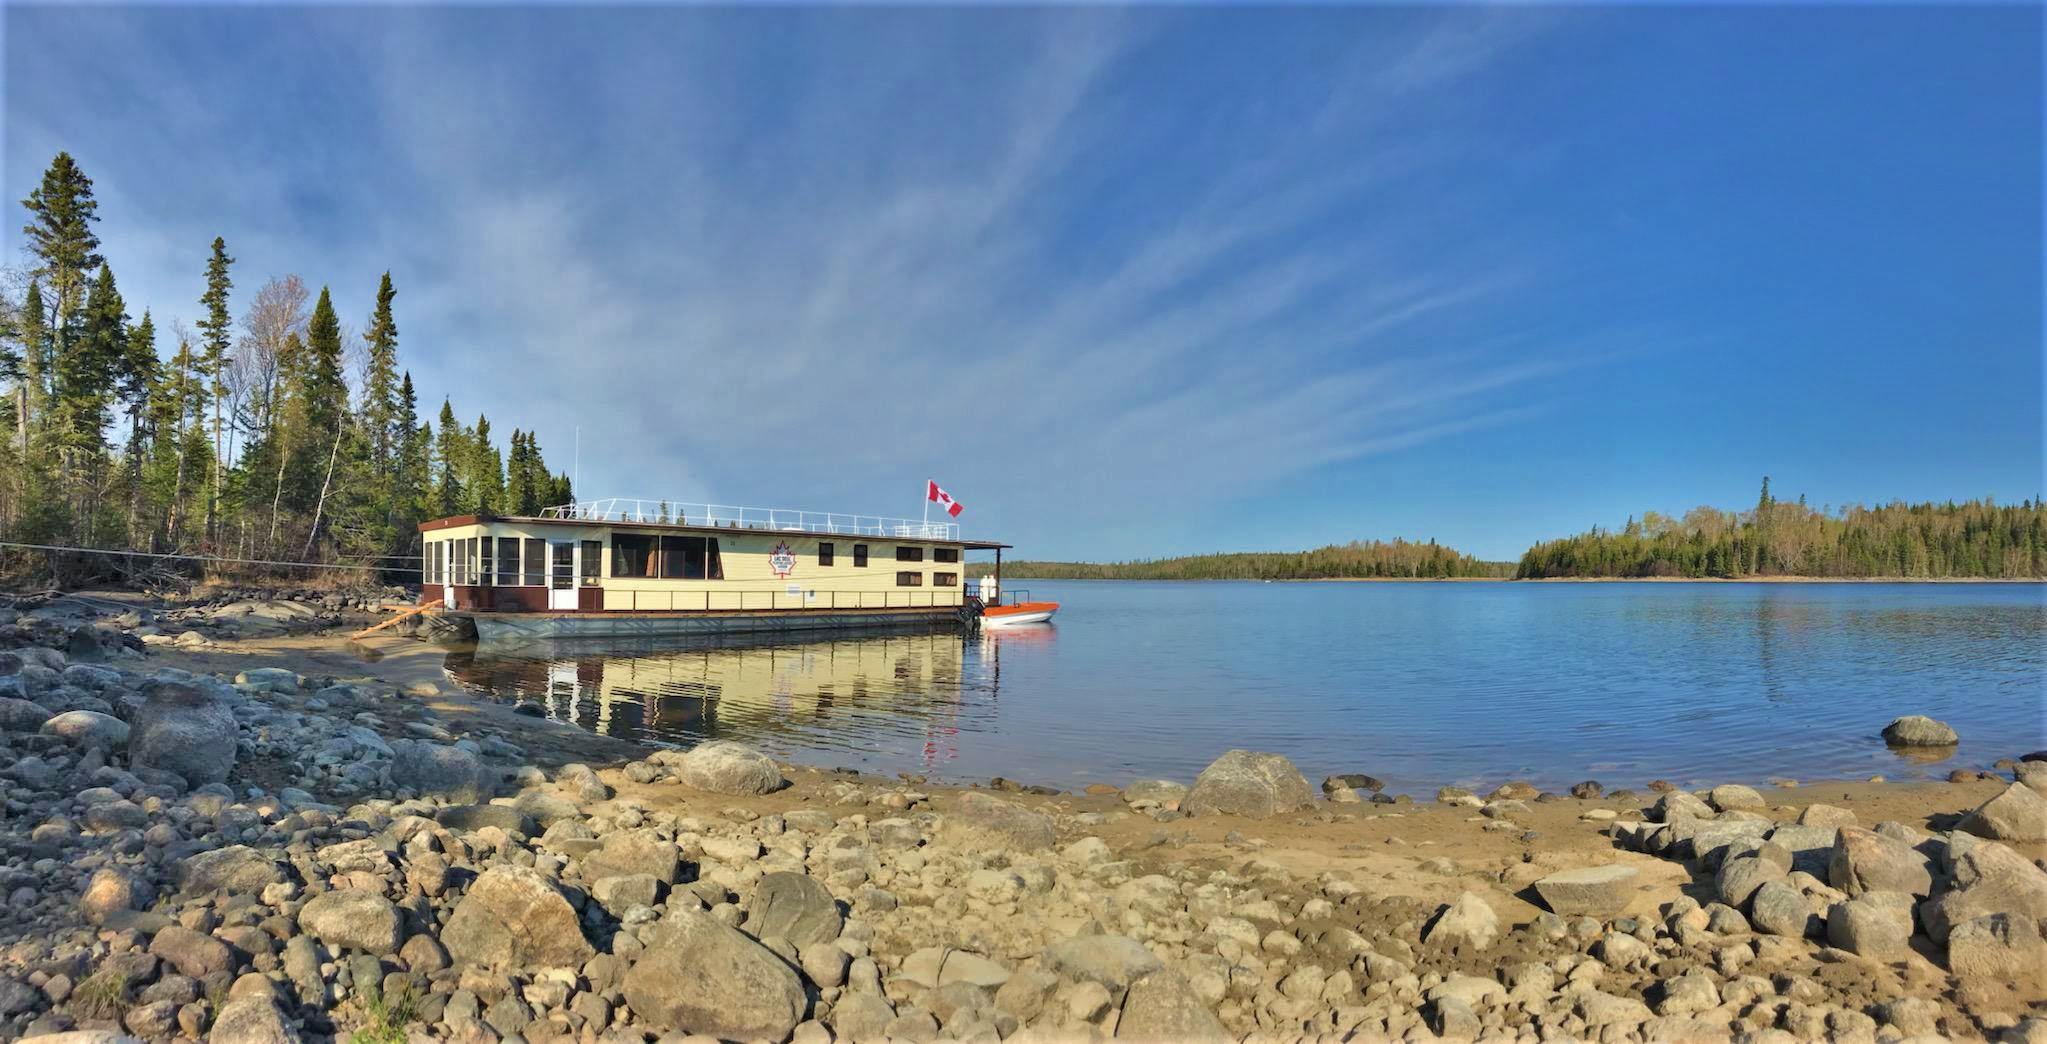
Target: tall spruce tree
(380,390)
(215,328)
(452,458)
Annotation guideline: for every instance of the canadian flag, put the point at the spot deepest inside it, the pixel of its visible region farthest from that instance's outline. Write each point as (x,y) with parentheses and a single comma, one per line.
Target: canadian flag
(942,498)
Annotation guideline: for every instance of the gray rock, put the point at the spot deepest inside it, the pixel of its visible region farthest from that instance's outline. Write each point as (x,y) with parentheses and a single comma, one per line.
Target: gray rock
(352,918)
(1162,1006)
(1467,922)
(432,768)
(17,996)
(251,1020)
(88,729)
(795,907)
(1596,891)
(1114,961)
(634,852)
(471,818)
(1729,797)
(192,953)
(111,892)
(1779,909)
(1247,783)
(1740,877)
(622,892)
(983,821)
(1163,791)
(1877,925)
(185,730)
(2001,956)
(513,917)
(1917,730)
(1677,804)
(2018,814)
(1985,878)
(22,715)
(725,767)
(237,869)
(582,782)
(1866,861)
(700,976)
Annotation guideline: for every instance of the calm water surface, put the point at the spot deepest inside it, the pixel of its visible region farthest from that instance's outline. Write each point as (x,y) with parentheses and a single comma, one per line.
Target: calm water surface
(1419,684)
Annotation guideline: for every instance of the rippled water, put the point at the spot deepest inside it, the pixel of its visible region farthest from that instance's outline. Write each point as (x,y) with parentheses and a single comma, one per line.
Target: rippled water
(1419,684)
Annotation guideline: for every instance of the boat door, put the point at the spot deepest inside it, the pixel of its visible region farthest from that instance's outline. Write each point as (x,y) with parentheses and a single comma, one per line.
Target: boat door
(444,556)
(561,574)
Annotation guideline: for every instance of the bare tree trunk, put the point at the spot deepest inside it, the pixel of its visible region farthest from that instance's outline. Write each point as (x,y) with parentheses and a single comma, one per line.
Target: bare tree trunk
(213,495)
(321,507)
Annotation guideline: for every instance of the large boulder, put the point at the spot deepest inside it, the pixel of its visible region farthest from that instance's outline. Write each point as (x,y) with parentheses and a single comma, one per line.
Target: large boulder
(185,730)
(1918,730)
(1866,861)
(353,918)
(795,907)
(434,768)
(1985,878)
(990,822)
(236,869)
(1248,783)
(1467,922)
(1594,891)
(88,729)
(1877,925)
(725,767)
(699,976)
(512,917)
(2019,813)
(1999,958)
(1163,1006)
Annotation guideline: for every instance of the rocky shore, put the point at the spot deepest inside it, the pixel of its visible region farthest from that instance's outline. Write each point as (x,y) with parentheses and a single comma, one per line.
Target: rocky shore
(201,844)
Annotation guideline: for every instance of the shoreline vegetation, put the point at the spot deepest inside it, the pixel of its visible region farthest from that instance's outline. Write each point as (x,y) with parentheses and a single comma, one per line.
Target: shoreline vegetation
(1775,542)
(241,825)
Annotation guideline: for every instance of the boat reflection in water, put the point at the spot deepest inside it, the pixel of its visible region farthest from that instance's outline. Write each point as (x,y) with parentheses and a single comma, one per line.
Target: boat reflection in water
(897,701)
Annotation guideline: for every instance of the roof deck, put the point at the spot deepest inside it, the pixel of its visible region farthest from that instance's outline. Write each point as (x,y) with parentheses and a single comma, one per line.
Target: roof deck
(631,511)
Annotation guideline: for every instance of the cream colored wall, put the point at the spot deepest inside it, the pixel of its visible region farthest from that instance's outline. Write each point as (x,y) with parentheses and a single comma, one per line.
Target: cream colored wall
(750,581)
(768,686)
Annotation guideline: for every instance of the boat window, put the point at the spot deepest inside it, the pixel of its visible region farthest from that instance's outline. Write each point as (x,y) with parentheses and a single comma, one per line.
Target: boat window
(859,556)
(426,562)
(909,579)
(945,554)
(484,557)
(714,567)
(824,553)
(944,579)
(508,561)
(682,558)
(593,558)
(632,554)
(909,554)
(536,562)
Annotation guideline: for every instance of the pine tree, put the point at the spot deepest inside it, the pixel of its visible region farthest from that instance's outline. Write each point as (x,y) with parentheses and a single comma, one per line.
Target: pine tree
(60,237)
(140,373)
(216,327)
(450,451)
(380,390)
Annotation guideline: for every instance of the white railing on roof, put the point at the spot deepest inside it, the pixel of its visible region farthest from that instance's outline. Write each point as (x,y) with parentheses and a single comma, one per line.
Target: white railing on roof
(727,516)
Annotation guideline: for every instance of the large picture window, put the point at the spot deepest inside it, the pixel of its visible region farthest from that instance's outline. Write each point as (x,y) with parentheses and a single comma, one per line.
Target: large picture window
(632,554)
(682,558)
(536,562)
(909,554)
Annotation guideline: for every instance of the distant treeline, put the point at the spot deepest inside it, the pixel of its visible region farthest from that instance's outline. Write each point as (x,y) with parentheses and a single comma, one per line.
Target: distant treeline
(1357,560)
(1977,539)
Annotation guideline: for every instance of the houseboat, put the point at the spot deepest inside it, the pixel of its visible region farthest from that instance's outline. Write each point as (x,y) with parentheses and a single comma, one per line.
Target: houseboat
(637,568)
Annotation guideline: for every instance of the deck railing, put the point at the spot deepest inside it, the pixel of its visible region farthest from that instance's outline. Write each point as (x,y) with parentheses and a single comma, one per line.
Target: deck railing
(728,516)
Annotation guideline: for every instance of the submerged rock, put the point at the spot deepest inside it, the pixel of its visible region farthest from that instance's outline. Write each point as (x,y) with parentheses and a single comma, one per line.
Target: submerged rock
(1918,730)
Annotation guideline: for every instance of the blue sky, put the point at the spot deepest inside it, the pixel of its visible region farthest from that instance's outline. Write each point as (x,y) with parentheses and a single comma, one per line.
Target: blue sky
(1127,282)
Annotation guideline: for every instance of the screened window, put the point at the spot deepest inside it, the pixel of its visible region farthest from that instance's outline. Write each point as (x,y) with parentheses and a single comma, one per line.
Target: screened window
(470,569)
(824,553)
(944,579)
(859,556)
(426,563)
(909,579)
(633,554)
(945,554)
(484,557)
(909,554)
(508,561)
(536,562)
(593,558)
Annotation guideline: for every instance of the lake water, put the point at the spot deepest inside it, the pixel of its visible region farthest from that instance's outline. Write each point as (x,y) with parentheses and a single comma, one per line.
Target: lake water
(1419,684)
